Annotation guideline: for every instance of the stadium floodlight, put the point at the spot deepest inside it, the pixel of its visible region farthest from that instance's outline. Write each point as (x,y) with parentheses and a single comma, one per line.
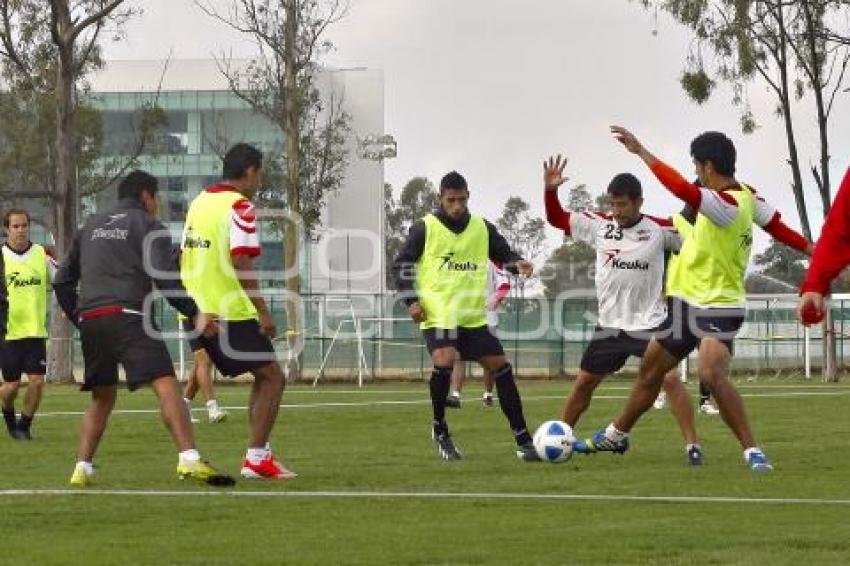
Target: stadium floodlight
(377,147)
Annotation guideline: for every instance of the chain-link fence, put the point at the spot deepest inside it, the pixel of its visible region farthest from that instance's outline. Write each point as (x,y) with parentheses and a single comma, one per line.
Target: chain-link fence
(370,336)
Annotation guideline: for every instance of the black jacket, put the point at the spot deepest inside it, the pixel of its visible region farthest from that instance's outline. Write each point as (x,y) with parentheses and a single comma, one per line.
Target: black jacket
(404,266)
(116,258)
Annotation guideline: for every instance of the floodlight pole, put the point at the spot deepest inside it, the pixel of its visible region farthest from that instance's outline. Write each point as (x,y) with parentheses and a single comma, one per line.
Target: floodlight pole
(377,148)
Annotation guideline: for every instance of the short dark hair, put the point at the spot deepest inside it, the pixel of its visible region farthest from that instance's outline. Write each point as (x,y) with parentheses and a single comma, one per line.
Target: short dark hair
(239,159)
(7,218)
(625,185)
(137,182)
(453,180)
(717,148)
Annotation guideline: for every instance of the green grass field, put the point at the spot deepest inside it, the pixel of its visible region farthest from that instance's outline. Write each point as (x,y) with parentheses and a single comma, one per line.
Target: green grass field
(373,491)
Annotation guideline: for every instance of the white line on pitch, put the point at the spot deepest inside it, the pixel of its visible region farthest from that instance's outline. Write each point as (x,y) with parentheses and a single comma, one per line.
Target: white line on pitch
(428,495)
(428,401)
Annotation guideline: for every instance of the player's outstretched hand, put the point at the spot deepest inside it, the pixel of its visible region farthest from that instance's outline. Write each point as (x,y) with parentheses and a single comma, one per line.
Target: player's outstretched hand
(628,139)
(553,172)
(812,308)
(417,313)
(525,268)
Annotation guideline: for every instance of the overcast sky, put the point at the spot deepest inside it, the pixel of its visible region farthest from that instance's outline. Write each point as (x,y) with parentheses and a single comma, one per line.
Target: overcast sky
(491,87)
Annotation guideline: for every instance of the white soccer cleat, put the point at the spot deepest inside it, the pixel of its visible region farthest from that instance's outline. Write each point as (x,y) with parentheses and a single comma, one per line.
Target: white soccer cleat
(708,409)
(217,415)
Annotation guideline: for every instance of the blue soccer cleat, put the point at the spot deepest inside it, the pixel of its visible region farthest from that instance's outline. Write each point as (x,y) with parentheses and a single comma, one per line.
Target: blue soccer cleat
(601,443)
(758,462)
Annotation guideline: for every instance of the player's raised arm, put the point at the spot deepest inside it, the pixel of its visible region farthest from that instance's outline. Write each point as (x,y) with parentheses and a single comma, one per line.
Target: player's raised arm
(669,177)
(553,178)
(582,226)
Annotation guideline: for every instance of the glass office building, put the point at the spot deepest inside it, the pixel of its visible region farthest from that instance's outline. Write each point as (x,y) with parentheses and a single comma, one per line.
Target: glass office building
(203,117)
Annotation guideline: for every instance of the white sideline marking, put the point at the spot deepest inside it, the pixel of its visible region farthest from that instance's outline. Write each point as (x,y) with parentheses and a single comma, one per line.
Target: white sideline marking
(427,495)
(201,410)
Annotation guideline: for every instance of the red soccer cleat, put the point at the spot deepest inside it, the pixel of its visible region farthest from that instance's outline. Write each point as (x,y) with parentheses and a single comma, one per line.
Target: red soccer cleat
(268,468)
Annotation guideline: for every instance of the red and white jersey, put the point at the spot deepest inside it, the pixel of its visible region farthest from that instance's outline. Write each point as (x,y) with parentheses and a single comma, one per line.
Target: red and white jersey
(243,229)
(498,287)
(629,267)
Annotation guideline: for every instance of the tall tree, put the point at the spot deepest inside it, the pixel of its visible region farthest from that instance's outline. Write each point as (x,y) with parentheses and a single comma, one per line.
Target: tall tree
(280,84)
(524,232)
(46,50)
(789,47)
(785,45)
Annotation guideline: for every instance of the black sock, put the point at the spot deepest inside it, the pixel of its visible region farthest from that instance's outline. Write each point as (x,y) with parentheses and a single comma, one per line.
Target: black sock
(25,422)
(704,393)
(511,403)
(9,417)
(441,381)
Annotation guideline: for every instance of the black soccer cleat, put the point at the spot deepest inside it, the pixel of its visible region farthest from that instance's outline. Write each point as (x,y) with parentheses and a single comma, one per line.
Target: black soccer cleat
(21,433)
(527,453)
(11,423)
(453,402)
(694,455)
(445,446)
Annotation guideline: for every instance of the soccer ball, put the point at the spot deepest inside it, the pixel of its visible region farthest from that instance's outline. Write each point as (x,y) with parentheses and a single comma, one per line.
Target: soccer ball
(554,441)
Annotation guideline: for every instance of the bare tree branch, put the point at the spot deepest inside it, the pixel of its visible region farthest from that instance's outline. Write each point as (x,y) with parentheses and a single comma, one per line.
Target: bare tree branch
(95,17)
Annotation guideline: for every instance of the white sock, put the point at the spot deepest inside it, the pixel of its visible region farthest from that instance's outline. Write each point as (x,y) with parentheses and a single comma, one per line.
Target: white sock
(256,455)
(488,394)
(187,401)
(615,435)
(748,451)
(189,456)
(456,394)
(87,467)
(212,405)
(689,446)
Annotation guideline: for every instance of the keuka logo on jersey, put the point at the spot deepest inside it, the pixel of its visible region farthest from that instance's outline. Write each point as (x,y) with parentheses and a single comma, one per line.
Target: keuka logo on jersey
(618,263)
(15,280)
(451,265)
(192,242)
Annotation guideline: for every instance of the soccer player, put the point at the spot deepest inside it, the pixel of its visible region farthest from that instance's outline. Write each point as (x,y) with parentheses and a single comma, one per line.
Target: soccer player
(831,255)
(706,288)
(630,248)
(683,222)
(116,258)
(498,287)
(201,378)
(219,245)
(29,269)
(441,270)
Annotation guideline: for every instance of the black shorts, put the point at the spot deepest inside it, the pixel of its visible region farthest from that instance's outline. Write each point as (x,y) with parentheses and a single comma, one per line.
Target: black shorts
(238,348)
(120,338)
(189,331)
(687,325)
(472,343)
(27,355)
(611,347)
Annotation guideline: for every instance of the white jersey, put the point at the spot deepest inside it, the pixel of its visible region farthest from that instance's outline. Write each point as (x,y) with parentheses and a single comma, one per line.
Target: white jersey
(629,267)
